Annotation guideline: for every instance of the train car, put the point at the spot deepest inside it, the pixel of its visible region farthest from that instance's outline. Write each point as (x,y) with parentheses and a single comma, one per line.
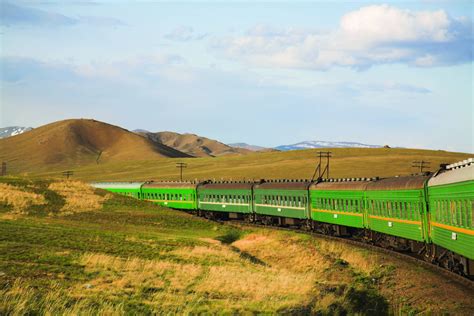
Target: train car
(179,195)
(282,201)
(397,207)
(339,202)
(234,198)
(451,203)
(132,189)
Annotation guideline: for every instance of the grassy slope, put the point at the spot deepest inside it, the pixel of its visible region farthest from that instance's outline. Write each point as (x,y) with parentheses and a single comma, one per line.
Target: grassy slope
(128,256)
(346,162)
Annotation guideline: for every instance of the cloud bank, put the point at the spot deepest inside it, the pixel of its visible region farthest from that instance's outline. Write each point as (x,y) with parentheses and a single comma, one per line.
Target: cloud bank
(371,35)
(14,15)
(184,34)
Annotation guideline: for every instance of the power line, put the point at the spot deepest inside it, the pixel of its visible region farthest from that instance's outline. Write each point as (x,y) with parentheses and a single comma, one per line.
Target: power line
(181,166)
(4,169)
(319,170)
(68,173)
(421,164)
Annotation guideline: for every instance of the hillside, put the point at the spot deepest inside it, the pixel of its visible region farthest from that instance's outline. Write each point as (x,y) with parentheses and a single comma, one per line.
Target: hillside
(68,249)
(298,164)
(194,145)
(72,143)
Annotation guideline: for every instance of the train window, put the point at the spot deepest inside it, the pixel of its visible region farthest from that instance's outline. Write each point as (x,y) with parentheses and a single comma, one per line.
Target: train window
(467,213)
(464,213)
(442,210)
(438,211)
(459,213)
(452,209)
(472,213)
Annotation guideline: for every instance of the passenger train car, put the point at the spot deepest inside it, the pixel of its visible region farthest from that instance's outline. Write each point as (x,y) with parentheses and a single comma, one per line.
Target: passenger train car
(429,214)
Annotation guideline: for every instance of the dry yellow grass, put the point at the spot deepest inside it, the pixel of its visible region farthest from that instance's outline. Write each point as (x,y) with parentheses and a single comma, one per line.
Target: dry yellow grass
(19,199)
(79,196)
(219,272)
(21,298)
(260,284)
(133,273)
(358,260)
(283,251)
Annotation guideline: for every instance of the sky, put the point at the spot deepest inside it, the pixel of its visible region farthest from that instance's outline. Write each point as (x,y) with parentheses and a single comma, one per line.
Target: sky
(267,73)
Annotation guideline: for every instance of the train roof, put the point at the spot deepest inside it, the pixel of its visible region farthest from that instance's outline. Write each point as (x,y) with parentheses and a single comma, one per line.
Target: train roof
(117,185)
(170,184)
(411,182)
(457,172)
(358,184)
(227,185)
(284,184)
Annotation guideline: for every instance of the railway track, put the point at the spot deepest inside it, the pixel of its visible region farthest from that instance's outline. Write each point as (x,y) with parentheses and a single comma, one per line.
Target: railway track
(410,258)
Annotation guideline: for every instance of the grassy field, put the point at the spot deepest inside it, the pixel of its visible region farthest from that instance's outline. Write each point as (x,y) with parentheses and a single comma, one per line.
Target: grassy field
(346,162)
(68,249)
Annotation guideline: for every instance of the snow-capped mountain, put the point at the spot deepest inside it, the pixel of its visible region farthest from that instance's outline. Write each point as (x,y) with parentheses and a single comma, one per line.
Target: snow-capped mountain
(13,130)
(324,144)
(247,146)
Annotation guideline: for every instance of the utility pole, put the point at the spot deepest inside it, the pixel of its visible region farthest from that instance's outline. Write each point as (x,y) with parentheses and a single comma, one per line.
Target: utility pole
(181,166)
(4,169)
(322,154)
(68,173)
(421,164)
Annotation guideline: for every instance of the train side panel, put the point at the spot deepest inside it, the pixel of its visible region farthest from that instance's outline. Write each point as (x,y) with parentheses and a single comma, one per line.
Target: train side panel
(174,197)
(132,189)
(396,206)
(230,200)
(285,199)
(339,203)
(451,203)
(228,197)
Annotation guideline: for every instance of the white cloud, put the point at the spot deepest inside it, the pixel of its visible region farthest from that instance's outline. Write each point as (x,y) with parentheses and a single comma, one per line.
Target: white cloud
(184,34)
(376,34)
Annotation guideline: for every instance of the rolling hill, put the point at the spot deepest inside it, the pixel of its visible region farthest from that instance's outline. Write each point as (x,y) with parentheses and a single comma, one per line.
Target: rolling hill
(78,142)
(194,145)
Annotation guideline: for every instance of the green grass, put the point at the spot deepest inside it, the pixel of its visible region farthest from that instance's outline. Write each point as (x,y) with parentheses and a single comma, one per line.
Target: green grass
(346,162)
(133,257)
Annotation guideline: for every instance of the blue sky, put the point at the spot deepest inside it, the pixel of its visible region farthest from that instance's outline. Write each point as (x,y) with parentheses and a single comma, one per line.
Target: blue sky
(396,72)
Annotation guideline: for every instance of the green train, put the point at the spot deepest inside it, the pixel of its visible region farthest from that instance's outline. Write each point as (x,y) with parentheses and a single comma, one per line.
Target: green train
(427,214)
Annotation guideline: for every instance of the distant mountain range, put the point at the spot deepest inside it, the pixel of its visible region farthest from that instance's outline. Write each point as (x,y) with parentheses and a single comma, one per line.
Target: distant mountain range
(251,147)
(90,140)
(192,144)
(324,144)
(13,130)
